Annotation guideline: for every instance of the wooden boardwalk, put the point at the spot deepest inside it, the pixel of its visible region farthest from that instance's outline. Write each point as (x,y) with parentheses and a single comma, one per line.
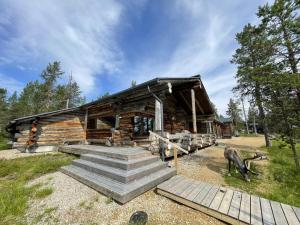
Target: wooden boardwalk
(228,205)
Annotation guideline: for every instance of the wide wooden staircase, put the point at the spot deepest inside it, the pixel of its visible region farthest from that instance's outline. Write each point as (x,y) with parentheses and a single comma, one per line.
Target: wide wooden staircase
(121,173)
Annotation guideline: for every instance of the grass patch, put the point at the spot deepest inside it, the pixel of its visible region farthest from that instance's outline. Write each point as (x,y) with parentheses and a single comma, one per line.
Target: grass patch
(14,174)
(279,180)
(42,193)
(46,215)
(3,144)
(109,200)
(86,205)
(50,210)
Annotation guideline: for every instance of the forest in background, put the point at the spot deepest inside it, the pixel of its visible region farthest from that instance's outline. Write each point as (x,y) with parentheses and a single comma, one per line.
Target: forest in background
(39,96)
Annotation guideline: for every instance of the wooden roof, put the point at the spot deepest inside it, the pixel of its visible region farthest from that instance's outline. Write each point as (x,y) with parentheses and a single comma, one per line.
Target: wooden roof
(180,89)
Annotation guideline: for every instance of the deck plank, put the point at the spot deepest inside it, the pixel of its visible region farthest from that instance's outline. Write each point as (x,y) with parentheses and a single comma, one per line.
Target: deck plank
(278,213)
(215,204)
(202,193)
(172,189)
(234,208)
(195,192)
(169,182)
(225,204)
(290,214)
(189,190)
(297,212)
(256,217)
(186,184)
(266,211)
(210,196)
(245,209)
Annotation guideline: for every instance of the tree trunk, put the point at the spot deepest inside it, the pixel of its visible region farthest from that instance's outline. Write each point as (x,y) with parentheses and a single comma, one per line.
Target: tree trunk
(262,115)
(296,157)
(245,117)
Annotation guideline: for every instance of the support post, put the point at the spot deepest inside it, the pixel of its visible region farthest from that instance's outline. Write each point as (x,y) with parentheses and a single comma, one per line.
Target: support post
(194,111)
(85,122)
(158,116)
(207,128)
(117,123)
(175,158)
(210,127)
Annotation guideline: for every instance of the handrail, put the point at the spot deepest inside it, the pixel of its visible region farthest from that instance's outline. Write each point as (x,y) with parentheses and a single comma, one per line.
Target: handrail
(168,142)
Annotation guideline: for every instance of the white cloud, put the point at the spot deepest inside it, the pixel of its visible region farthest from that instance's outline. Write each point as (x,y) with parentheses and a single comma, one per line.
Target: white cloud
(84,36)
(10,84)
(80,34)
(206,43)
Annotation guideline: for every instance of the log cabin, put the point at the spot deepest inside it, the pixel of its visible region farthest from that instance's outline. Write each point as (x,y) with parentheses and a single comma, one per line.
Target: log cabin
(178,109)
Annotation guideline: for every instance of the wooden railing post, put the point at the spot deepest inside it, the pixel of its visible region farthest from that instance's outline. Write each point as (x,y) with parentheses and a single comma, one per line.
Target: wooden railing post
(194,111)
(175,158)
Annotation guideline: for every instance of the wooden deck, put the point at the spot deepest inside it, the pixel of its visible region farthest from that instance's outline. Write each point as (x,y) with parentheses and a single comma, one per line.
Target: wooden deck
(228,205)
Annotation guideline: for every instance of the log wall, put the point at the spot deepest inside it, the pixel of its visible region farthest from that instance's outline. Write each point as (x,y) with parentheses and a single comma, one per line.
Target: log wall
(54,130)
(174,116)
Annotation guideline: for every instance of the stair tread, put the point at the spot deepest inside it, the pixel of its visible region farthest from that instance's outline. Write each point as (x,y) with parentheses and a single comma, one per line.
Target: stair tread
(123,153)
(115,186)
(130,161)
(117,171)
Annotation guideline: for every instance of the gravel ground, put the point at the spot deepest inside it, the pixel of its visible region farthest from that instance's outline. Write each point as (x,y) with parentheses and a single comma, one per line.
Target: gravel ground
(206,165)
(14,153)
(249,142)
(74,203)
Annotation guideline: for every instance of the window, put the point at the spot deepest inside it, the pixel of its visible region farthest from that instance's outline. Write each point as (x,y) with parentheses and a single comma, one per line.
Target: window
(142,125)
(91,124)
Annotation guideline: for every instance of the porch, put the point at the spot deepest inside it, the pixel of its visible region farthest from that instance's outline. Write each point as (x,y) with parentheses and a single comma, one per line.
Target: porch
(176,109)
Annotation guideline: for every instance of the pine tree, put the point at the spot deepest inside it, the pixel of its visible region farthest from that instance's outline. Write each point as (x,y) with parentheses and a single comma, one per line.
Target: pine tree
(234,113)
(283,109)
(133,83)
(31,100)
(254,59)
(3,111)
(73,96)
(13,106)
(282,22)
(50,76)
(106,94)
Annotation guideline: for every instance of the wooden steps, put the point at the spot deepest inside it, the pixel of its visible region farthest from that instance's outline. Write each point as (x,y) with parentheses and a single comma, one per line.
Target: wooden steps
(123,153)
(228,205)
(120,173)
(122,164)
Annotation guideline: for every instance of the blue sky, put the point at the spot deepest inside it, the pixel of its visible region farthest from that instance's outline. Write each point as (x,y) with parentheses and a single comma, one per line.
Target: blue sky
(107,44)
